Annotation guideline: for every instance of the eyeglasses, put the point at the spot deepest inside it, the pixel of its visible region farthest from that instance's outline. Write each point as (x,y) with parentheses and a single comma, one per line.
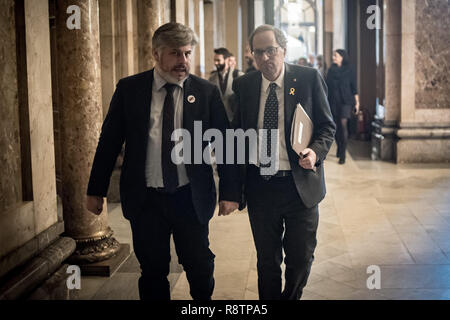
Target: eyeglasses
(270,52)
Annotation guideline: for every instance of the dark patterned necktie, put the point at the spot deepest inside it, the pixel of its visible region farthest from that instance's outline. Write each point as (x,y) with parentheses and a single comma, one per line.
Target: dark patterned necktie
(270,123)
(169,169)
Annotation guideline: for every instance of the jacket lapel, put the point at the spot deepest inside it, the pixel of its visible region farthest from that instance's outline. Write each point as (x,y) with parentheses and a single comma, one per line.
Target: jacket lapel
(291,93)
(146,94)
(190,103)
(253,106)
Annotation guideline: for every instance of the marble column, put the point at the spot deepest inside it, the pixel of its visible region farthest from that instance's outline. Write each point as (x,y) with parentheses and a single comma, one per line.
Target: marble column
(219,24)
(208,10)
(392,80)
(199,29)
(233,25)
(149,19)
(179,11)
(339,24)
(108,51)
(10,170)
(328,31)
(81,115)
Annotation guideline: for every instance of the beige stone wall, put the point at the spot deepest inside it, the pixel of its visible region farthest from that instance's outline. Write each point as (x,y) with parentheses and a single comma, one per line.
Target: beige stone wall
(424,114)
(10,169)
(25,220)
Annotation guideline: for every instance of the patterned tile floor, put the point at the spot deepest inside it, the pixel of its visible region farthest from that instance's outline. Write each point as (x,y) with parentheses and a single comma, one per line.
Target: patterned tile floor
(396,217)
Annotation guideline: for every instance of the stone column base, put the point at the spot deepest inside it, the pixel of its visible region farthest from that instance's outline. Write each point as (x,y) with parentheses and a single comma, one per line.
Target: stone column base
(410,144)
(107,268)
(423,145)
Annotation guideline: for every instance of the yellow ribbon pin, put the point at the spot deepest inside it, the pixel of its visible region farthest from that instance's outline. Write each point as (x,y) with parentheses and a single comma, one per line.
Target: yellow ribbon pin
(292,92)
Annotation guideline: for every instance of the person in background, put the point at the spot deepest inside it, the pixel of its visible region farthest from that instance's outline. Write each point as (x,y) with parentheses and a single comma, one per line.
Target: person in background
(311,61)
(343,98)
(232,62)
(223,78)
(251,64)
(302,62)
(321,65)
(232,65)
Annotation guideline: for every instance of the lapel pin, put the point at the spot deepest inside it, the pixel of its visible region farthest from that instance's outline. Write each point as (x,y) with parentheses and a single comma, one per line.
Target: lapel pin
(295,79)
(292,92)
(191,99)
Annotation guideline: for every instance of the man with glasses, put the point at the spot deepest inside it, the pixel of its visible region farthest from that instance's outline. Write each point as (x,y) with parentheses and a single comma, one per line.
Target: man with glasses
(282,205)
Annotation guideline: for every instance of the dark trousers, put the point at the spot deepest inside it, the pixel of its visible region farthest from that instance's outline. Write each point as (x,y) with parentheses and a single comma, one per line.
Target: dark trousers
(280,221)
(167,214)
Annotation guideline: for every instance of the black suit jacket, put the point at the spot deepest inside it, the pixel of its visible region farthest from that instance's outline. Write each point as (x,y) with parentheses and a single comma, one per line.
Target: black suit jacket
(309,90)
(127,122)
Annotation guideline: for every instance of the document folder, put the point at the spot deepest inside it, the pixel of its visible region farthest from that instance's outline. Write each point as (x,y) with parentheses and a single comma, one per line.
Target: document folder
(302,130)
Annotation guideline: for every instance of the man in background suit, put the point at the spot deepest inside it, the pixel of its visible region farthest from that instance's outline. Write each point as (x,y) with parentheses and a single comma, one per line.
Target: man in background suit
(159,197)
(283,207)
(223,78)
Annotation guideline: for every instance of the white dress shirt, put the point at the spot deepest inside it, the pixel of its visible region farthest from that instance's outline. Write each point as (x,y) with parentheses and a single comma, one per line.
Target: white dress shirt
(283,159)
(153,167)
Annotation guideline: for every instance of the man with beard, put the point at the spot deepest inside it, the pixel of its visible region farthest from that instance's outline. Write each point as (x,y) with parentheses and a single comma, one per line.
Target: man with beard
(282,203)
(223,78)
(159,197)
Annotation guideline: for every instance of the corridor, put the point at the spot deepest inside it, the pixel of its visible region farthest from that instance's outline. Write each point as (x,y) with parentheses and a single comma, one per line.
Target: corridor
(396,217)
(384,227)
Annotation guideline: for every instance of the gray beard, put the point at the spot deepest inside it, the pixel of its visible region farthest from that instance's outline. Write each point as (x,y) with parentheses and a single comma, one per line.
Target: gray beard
(168,77)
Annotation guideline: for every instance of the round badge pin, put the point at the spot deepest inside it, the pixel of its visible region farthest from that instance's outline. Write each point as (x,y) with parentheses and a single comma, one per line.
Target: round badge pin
(191,99)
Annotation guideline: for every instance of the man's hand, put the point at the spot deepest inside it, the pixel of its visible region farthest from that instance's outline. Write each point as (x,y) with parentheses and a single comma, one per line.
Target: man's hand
(308,159)
(227,207)
(94,204)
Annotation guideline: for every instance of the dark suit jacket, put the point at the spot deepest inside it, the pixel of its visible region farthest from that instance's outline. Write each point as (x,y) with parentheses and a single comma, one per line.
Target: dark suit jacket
(310,90)
(128,121)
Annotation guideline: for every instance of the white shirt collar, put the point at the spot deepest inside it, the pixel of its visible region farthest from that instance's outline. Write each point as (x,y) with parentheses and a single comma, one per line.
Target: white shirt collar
(160,81)
(279,81)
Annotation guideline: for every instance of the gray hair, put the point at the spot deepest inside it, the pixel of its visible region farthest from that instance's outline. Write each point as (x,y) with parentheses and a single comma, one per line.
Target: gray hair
(173,35)
(279,35)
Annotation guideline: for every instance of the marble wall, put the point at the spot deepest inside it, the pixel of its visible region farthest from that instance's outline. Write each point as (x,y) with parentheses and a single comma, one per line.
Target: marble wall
(26,220)
(149,19)
(432,54)
(10,169)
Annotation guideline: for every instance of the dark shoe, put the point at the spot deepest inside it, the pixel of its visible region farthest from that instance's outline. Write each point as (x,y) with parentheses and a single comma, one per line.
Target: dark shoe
(341,161)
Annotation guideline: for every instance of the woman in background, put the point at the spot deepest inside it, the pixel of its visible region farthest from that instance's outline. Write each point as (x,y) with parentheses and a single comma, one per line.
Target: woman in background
(343,98)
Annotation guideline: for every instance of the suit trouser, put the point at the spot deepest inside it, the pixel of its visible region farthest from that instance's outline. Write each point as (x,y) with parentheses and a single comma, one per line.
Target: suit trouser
(279,220)
(167,214)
